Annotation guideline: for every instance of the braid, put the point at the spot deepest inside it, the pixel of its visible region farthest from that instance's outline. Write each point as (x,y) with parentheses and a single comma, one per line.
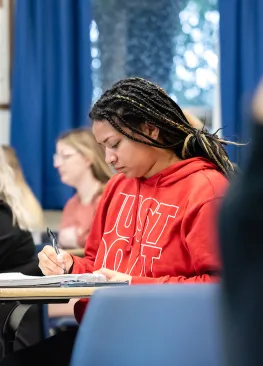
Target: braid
(133,101)
(131,137)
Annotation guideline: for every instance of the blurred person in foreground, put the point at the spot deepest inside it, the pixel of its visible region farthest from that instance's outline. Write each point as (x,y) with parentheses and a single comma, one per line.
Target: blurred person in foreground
(241,222)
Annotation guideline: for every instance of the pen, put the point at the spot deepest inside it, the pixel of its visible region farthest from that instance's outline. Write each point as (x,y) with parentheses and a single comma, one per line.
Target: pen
(53,240)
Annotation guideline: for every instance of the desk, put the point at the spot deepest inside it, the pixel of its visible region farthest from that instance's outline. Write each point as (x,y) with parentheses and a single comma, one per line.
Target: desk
(45,293)
(17,297)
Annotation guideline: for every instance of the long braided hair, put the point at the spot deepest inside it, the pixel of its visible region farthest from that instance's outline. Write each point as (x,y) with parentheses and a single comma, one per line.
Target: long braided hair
(133,101)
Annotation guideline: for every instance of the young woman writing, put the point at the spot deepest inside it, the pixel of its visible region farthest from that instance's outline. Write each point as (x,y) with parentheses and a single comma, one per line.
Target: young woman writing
(155,222)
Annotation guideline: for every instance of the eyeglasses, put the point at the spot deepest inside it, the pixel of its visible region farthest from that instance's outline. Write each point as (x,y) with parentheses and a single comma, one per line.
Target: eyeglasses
(62,157)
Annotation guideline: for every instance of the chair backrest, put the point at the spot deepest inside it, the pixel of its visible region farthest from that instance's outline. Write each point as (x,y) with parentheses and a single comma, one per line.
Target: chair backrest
(169,325)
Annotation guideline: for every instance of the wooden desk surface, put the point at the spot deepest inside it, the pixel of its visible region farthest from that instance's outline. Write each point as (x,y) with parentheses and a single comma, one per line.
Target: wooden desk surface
(51,293)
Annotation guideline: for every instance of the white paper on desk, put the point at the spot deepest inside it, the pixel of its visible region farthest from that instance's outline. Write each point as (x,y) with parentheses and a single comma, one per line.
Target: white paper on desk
(14,279)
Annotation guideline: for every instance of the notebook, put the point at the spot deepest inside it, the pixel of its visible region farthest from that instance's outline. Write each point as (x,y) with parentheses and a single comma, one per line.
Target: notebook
(17,279)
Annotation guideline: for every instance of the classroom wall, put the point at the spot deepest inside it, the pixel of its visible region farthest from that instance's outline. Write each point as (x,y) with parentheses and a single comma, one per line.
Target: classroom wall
(4,127)
(5,56)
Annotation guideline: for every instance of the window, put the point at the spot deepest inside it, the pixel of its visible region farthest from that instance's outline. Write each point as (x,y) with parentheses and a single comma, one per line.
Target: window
(171,42)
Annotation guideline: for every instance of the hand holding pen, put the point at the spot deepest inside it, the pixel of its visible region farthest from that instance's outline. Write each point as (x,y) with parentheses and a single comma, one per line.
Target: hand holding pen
(52,260)
(54,242)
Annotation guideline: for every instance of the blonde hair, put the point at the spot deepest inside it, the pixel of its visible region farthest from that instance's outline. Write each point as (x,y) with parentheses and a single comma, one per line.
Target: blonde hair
(83,141)
(11,195)
(35,217)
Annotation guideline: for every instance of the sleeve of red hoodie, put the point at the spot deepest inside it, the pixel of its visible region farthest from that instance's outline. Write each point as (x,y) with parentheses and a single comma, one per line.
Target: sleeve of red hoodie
(200,237)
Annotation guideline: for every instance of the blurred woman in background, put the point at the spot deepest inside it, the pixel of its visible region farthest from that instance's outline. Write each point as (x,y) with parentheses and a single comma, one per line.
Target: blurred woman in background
(81,165)
(29,201)
(17,251)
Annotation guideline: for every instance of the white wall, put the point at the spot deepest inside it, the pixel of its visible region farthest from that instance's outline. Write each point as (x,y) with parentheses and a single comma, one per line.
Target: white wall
(4,72)
(4,127)
(5,52)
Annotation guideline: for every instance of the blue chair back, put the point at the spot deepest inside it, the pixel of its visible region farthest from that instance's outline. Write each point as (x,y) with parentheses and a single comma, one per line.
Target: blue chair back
(169,325)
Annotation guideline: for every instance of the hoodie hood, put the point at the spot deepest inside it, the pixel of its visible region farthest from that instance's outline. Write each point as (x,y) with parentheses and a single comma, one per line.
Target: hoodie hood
(177,172)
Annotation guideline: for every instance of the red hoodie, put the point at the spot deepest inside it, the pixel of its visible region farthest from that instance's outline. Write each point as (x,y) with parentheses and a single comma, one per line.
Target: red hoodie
(158,230)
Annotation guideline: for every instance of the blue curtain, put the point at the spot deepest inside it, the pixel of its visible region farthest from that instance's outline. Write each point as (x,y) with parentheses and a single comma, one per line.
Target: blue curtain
(51,86)
(241,48)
